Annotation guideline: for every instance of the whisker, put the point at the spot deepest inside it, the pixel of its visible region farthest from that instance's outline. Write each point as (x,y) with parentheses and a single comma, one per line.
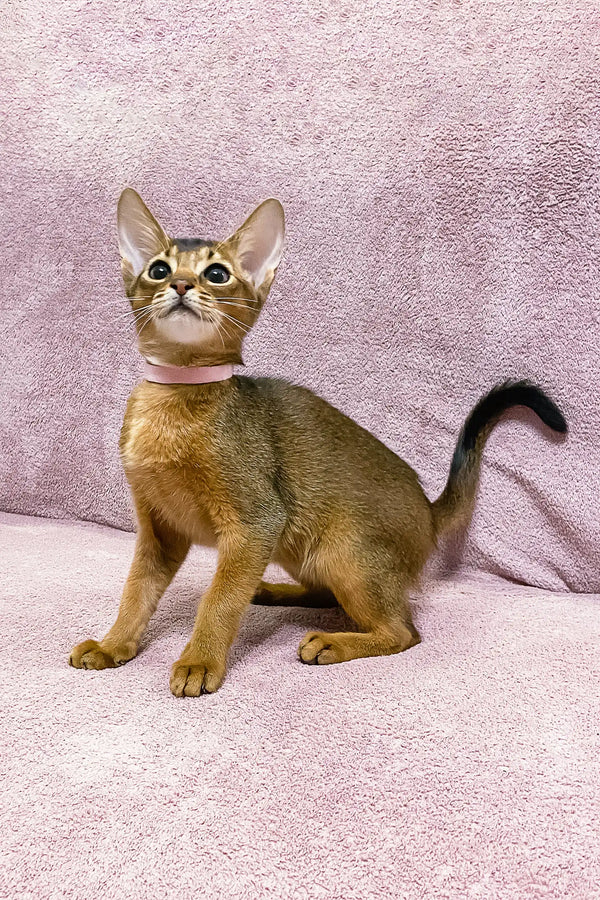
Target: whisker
(147,314)
(230,303)
(247,299)
(149,319)
(137,333)
(137,314)
(126,312)
(122,301)
(144,318)
(117,316)
(228,332)
(204,296)
(218,327)
(235,321)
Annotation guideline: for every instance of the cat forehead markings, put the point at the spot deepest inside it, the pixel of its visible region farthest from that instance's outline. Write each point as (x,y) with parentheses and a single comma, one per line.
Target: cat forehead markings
(184,244)
(191,253)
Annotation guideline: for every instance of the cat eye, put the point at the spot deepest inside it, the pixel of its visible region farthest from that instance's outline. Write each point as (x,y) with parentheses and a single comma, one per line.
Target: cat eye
(159,270)
(216,274)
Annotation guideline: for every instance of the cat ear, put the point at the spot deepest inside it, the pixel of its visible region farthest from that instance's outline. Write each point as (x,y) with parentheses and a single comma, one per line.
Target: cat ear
(258,244)
(140,235)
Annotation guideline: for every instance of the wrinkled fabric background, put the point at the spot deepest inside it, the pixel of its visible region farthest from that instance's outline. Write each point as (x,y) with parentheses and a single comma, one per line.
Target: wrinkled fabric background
(438,163)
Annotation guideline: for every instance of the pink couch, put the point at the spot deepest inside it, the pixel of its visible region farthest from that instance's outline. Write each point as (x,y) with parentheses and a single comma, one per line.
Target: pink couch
(438,162)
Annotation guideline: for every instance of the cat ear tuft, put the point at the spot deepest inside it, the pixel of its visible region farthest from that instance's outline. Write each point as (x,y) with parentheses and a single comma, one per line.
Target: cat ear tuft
(258,243)
(140,235)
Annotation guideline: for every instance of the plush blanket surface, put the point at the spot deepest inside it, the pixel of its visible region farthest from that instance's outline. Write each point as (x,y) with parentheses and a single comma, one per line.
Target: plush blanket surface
(465,767)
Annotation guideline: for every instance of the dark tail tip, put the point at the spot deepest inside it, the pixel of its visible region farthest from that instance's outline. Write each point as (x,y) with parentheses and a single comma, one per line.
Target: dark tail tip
(525,393)
(506,395)
(461,486)
(545,408)
(489,409)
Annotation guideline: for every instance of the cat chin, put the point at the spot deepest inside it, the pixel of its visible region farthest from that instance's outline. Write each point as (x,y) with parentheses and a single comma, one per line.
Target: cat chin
(186,330)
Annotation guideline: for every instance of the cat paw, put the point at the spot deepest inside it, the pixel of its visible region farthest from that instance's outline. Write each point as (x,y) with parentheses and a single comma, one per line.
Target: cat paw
(92,655)
(190,679)
(320,648)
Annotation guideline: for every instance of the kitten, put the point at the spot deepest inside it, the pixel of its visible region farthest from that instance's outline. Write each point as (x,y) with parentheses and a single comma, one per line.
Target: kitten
(262,469)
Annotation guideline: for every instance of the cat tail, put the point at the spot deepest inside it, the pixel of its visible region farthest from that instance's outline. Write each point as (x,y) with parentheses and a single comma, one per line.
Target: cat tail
(454,506)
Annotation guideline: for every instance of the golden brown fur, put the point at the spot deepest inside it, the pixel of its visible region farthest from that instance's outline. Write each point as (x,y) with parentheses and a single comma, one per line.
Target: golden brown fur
(261,469)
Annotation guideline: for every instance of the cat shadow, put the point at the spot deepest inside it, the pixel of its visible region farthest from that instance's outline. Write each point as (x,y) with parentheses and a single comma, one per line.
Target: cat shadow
(263,623)
(259,625)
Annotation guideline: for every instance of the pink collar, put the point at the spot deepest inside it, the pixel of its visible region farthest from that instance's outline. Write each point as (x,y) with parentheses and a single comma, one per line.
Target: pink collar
(186,374)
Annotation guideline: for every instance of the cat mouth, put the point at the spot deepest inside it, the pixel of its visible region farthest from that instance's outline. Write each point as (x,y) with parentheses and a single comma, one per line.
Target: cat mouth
(181,307)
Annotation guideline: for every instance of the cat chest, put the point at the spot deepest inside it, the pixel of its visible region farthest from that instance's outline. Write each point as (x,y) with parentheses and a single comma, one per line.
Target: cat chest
(162,443)
(171,469)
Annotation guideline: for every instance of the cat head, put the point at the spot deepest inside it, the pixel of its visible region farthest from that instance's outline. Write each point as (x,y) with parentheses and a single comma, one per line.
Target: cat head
(194,301)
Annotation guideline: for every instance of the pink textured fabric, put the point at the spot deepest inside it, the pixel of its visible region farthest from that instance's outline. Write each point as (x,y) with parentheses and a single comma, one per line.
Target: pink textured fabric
(439,167)
(466,767)
(186,374)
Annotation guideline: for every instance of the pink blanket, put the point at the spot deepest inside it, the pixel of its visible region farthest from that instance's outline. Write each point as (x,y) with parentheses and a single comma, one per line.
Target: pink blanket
(464,768)
(439,166)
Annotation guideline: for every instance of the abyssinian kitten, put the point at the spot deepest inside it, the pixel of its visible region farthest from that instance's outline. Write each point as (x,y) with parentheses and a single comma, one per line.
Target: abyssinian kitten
(262,469)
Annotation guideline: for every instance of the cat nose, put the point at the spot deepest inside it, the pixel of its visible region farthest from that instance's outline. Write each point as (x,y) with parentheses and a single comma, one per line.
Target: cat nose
(181,287)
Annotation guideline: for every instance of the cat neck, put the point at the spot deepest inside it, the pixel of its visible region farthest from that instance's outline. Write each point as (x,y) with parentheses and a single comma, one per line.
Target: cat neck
(166,353)
(166,374)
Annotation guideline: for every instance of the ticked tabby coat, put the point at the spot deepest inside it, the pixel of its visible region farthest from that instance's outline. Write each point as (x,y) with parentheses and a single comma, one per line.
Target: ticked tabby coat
(264,470)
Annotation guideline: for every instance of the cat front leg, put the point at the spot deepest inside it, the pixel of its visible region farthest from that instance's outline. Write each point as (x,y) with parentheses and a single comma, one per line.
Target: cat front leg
(159,552)
(201,667)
